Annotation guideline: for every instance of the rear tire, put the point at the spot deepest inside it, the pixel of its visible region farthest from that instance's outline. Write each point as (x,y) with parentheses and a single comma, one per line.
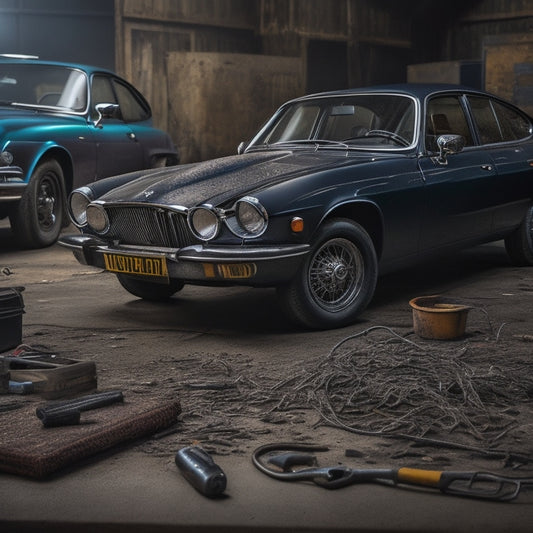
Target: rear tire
(519,244)
(37,219)
(148,290)
(337,279)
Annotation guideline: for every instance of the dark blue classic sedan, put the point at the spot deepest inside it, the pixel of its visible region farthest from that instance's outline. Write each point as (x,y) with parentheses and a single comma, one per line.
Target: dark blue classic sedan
(62,126)
(335,189)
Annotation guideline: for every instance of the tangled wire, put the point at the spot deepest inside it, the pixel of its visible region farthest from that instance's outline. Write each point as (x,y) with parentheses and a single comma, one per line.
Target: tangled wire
(378,383)
(393,386)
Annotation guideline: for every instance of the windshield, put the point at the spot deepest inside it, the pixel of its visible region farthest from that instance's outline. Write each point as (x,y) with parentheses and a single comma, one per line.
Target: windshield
(43,85)
(376,121)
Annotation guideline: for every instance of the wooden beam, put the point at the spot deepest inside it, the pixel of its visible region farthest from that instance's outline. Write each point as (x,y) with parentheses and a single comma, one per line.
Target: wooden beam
(495,17)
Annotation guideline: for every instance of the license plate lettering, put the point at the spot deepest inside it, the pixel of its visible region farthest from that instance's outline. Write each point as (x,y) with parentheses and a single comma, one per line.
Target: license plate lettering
(230,270)
(237,271)
(136,265)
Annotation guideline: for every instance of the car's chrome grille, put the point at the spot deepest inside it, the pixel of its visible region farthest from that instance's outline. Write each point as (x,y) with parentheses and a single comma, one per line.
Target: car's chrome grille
(149,226)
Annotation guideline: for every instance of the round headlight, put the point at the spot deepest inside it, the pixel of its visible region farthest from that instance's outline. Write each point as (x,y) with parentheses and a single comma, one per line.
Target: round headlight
(97,218)
(78,202)
(251,216)
(204,223)
(6,158)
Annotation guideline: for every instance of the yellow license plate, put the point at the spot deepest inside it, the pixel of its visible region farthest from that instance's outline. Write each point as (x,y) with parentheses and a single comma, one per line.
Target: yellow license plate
(154,266)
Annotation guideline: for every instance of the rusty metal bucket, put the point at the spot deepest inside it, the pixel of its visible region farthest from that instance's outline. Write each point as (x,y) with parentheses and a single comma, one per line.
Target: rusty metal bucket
(438,317)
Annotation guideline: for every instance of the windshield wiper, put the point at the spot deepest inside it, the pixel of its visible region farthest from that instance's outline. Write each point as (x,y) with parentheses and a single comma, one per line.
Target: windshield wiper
(316,142)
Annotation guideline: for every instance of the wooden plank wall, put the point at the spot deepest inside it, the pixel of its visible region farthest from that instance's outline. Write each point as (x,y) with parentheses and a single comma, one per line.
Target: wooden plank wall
(377,33)
(374,40)
(211,118)
(474,21)
(508,61)
(149,31)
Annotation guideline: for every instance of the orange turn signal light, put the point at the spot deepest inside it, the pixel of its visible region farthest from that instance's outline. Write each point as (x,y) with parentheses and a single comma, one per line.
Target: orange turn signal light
(297,224)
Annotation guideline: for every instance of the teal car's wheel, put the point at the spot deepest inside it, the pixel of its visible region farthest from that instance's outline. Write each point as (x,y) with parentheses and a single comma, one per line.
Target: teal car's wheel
(336,281)
(519,244)
(148,290)
(38,217)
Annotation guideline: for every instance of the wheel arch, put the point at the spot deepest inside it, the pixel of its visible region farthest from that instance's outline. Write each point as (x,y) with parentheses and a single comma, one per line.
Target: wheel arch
(30,154)
(65,161)
(365,213)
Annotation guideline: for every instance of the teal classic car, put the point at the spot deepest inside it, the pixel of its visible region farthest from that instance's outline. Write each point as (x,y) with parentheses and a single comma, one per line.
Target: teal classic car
(336,189)
(63,126)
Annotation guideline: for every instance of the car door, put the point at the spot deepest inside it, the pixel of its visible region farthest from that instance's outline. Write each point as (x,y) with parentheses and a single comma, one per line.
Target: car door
(501,130)
(117,147)
(459,195)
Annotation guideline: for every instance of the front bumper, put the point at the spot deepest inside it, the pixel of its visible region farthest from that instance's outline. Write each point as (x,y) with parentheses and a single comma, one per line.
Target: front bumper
(12,185)
(259,266)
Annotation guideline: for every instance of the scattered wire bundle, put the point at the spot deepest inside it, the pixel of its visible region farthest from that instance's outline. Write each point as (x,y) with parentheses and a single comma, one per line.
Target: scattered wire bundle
(391,386)
(374,383)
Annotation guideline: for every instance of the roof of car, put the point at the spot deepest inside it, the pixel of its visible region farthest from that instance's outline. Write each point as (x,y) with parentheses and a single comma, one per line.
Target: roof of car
(420,90)
(34,60)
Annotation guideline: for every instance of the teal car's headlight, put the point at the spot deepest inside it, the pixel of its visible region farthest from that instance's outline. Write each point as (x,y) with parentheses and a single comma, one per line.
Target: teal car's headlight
(97,218)
(251,216)
(78,202)
(6,158)
(204,222)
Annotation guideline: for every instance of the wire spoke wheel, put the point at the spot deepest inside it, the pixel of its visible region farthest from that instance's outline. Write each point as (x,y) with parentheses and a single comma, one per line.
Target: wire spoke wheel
(336,280)
(336,274)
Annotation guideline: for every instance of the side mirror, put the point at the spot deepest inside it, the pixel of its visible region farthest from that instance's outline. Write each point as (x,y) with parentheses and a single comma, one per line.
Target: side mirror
(106,111)
(449,144)
(242,147)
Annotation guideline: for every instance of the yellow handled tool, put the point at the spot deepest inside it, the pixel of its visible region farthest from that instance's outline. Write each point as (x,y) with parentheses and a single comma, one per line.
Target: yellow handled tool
(282,463)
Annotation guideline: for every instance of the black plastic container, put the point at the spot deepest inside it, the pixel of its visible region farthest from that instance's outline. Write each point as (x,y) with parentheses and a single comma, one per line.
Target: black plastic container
(11,311)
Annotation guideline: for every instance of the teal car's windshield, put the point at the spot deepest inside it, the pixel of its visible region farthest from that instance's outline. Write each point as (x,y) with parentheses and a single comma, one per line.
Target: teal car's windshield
(374,121)
(43,86)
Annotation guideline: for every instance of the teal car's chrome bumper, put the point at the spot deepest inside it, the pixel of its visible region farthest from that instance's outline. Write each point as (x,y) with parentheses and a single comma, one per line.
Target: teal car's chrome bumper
(12,185)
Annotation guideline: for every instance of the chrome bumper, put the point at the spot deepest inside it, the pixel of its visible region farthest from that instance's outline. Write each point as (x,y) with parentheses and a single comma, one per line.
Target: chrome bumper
(12,185)
(205,264)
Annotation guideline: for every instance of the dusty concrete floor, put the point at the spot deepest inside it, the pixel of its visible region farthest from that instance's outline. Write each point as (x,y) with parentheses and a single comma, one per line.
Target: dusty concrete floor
(237,338)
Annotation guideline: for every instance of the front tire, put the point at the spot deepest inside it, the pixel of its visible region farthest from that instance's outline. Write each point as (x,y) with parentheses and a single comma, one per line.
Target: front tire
(519,244)
(148,290)
(337,279)
(37,220)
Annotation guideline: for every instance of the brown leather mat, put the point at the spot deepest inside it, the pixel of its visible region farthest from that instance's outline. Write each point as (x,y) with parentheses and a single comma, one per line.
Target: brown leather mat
(29,449)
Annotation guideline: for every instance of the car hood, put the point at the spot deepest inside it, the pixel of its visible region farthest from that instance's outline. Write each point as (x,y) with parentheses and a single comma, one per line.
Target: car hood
(15,118)
(220,180)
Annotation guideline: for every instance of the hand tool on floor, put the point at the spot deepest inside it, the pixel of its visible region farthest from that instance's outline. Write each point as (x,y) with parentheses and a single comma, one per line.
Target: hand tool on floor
(68,412)
(199,469)
(481,485)
(20,387)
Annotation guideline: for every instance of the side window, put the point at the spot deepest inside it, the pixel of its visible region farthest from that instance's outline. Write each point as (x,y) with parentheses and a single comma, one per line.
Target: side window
(445,115)
(102,92)
(485,118)
(133,109)
(513,125)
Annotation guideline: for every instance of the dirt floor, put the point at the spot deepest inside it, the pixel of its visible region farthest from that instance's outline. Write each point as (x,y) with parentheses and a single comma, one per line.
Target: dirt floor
(375,393)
